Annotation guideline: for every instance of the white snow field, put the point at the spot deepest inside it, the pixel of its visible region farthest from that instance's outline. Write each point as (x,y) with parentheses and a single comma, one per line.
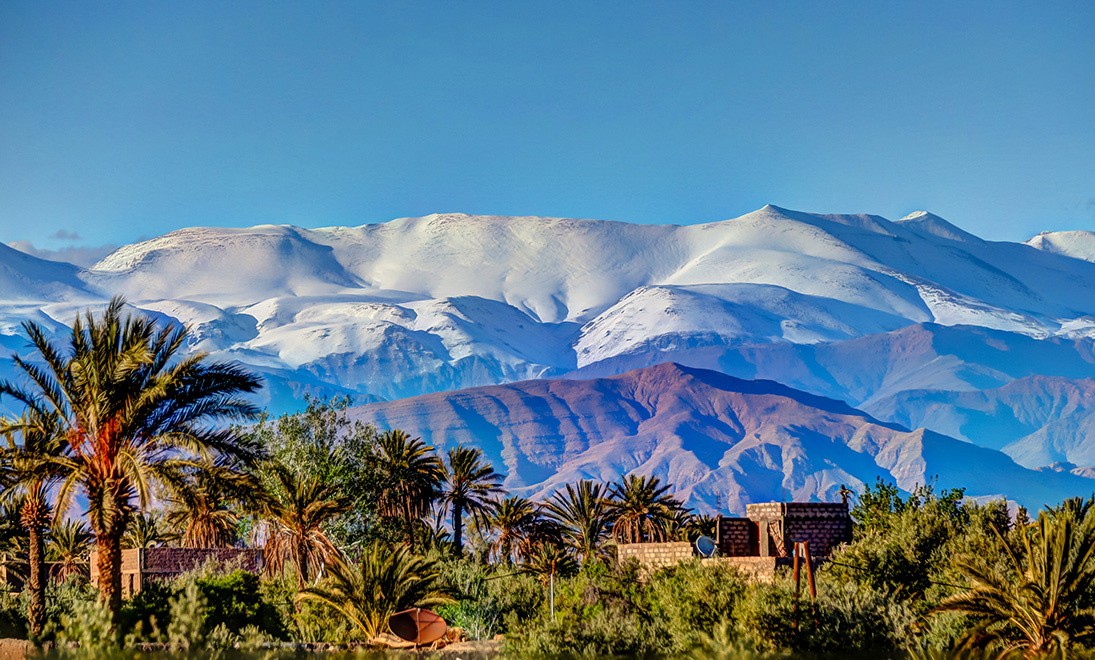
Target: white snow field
(447,301)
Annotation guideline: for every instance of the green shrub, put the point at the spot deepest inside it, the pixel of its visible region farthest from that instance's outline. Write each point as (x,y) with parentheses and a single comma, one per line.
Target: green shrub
(691,599)
(87,630)
(610,631)
(236,600)
(489,600)
(847,619)
(13,616)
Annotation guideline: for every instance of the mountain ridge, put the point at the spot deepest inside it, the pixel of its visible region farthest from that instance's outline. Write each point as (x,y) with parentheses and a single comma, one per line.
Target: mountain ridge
(850,306)
(721,441)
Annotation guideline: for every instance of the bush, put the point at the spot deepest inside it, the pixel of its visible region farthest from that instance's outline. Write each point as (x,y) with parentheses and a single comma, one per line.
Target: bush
(847,619)
(13,616)
(693,598)
(489,601)
(611,631)
(88,627)
(235,600)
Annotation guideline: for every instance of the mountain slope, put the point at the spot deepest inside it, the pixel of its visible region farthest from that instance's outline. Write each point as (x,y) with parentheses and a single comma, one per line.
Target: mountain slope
(855,307)
(721,441)
(1037,420)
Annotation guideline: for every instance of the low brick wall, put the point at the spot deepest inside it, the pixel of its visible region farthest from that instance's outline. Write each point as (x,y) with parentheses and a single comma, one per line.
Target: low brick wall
(761,569)
(653,556)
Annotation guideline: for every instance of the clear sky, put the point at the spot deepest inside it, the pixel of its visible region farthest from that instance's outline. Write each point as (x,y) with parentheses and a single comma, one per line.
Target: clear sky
(123,120)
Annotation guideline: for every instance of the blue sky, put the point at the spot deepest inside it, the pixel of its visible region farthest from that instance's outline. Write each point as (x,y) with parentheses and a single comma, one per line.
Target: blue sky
(122,120)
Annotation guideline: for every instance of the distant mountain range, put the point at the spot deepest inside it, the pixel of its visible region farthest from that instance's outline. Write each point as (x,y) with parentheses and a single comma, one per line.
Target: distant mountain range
(721,441)
(913,321)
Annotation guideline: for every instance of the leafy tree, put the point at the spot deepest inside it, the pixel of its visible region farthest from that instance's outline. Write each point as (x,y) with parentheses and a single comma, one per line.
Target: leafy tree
(582,513)
(134,414)
(642,509)
(292,523)
(411,474)
(1043,600)
(470,483)
(904,546)
(323,444)
(385,581)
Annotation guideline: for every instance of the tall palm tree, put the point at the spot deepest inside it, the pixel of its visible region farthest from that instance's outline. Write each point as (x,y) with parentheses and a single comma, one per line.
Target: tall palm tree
(1043,601)
(32,470)
(385,581)
(69,546)
(412,473)
(207,515)
(145,530)
(583,515)
(293,520)
(643,510)
(470,485)
(134,414)
(514,523)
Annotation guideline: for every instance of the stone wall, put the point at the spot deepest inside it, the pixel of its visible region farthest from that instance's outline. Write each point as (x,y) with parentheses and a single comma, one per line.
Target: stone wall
(762,569)
(652,556)
(173,561)
(141,564)
(736,537)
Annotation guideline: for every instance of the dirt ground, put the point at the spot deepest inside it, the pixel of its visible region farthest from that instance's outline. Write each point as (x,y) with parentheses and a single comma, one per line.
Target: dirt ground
(14,649)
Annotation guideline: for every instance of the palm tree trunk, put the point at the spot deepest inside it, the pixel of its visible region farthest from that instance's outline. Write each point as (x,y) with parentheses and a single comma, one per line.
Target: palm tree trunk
(108,547)
(302,563)
(458,527)
(407,521)
(36,582)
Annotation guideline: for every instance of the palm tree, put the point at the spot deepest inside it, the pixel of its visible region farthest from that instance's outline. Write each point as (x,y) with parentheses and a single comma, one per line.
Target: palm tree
(145,530)
(412,474)
(385,581)
(69,545)
(1043,601)
(32,470)
(470,483)
(514,521)
(583,515)
(207,515)
(293,520)
(546,560)
(134,415)
(642,509)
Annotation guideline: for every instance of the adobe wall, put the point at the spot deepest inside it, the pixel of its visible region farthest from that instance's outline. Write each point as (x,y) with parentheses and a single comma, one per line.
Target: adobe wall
(761,569)
(653,556)
(824,524)
(736,537)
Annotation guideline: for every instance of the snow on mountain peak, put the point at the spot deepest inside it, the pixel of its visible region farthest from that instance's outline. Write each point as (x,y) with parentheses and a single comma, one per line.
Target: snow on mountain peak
(1077,244)
(926,223)
(450,299)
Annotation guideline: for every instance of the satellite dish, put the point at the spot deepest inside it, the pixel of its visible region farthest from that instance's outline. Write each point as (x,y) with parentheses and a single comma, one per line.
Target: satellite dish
(418,626)
(705,545)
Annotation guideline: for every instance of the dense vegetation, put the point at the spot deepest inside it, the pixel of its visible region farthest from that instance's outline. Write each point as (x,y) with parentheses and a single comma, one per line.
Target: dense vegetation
(122,444)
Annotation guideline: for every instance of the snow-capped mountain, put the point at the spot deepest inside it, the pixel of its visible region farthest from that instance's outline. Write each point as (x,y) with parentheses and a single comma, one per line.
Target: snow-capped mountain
(722,442)
(853,307)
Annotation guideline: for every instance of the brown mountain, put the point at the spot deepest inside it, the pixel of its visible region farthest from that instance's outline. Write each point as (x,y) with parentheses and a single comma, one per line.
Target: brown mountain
(721,441)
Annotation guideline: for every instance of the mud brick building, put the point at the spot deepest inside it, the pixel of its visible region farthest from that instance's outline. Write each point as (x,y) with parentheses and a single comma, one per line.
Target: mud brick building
(139,565)
(774,527)
(759,542)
